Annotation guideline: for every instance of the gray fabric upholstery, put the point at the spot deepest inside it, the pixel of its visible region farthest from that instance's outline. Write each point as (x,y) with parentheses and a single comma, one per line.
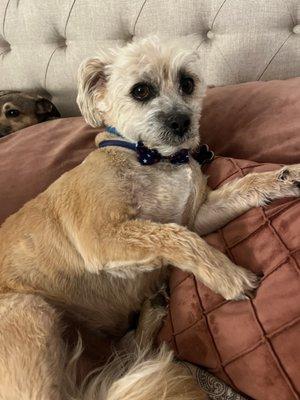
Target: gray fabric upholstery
(42,42)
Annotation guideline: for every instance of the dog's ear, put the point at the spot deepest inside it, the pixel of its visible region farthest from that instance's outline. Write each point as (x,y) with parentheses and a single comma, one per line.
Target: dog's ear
(43,106)
(92,79)
(46,110)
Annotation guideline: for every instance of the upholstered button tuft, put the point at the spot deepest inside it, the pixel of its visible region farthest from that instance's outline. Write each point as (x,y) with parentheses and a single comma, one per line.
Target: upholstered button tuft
(210,34)
(61,41)
(7,48)
(5,45)
(296,29)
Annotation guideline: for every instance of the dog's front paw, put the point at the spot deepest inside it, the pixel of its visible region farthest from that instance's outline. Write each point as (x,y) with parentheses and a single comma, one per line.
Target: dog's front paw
(287,183)
(289,179)
(278,184)
(241,285)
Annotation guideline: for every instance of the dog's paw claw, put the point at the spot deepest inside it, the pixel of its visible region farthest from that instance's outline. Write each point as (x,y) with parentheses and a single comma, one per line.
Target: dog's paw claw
(250,294)
(267,201)
(297,184)
(161,298)
(159,301)
(247,295)
(283,174)
(247,287)
(290,174)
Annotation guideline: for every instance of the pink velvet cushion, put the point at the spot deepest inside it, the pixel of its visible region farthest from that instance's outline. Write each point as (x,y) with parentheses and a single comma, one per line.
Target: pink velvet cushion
(256,121)
(252,345)
(33,158)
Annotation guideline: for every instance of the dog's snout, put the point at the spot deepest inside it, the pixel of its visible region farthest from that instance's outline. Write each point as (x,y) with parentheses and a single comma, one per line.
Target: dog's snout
(5,130)
(179,124)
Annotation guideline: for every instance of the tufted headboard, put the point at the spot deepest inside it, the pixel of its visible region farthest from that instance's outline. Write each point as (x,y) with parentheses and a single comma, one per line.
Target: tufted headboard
(42,42)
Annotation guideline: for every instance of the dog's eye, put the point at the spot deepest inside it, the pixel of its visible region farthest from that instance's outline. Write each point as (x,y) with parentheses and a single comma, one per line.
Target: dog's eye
(12,113)
(187,85)
(142,91)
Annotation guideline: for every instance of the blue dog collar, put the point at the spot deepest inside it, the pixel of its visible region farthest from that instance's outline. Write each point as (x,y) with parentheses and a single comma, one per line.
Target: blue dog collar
(145,155)
(148,156)
(111,129)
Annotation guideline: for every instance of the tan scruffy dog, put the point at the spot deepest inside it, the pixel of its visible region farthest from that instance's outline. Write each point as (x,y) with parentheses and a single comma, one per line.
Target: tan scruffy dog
(98,241)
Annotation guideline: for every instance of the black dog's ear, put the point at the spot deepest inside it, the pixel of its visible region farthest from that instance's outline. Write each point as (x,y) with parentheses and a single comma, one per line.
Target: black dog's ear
(46,110)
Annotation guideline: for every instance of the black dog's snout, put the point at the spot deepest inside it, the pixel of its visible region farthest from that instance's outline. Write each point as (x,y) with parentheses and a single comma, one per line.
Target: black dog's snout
(179,124)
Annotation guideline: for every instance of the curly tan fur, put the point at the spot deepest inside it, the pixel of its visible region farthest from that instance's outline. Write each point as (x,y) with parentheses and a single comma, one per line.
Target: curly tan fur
(137,370)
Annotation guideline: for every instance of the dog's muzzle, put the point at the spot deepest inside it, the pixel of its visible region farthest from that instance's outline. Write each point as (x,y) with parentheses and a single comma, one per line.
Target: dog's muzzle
(5,130)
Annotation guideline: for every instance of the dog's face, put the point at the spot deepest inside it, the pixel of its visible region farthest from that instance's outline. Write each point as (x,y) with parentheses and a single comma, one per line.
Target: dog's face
(147,90)
(19,110)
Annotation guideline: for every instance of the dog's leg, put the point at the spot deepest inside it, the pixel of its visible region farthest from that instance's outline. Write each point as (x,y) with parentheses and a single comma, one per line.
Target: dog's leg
(139,245)
(151,316)
(141,372)
(237,197)
(32,354)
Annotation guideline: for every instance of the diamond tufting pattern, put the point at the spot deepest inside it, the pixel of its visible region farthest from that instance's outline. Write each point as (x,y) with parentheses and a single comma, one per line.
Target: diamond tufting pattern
(252,345)
(43,42)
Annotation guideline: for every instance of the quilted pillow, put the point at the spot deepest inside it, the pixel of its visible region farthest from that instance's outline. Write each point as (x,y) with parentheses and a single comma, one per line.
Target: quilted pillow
(253,345)
(256,121)
(31,159)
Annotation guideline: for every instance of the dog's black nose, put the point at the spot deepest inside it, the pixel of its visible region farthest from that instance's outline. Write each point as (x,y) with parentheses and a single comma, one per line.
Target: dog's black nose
(179,124)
